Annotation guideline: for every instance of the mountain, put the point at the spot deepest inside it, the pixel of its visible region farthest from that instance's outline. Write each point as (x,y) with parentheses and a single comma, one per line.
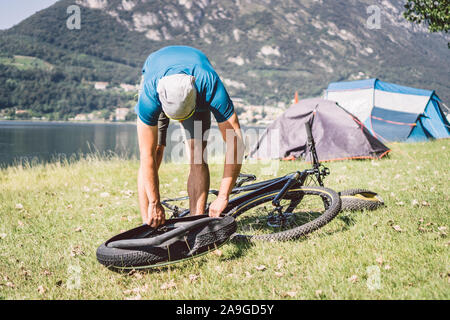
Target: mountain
(264,50)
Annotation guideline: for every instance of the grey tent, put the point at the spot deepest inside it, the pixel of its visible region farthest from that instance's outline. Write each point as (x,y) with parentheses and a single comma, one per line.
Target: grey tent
(338,134)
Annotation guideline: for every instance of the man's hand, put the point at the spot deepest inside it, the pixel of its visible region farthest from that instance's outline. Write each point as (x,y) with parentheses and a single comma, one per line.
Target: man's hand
(155,215)
(217,206)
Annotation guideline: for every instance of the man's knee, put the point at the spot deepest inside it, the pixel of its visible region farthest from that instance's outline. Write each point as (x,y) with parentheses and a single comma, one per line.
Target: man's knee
(197,153)
(200,167)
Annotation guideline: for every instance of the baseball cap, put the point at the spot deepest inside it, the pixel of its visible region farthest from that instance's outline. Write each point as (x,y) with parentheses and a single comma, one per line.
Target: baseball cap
(178,95)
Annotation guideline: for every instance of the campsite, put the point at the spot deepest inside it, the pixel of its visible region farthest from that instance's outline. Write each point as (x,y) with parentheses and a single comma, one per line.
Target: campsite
(393,112)
(339,135)
(212,151)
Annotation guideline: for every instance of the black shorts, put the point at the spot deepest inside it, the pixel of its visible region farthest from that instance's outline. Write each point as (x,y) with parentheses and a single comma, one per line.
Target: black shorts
(200,120)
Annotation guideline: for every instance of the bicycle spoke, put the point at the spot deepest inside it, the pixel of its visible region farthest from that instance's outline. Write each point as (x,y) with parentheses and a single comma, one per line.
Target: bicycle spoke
(264,218)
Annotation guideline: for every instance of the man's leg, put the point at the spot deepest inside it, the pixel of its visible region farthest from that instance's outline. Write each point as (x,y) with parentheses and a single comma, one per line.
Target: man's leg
(159,154)
(163,125)
(199,180)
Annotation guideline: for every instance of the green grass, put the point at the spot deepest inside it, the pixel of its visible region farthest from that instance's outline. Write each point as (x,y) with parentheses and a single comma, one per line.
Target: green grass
(24,63)
(53,217)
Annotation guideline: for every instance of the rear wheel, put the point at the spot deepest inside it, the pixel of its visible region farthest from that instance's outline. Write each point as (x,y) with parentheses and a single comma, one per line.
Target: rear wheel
(302,211)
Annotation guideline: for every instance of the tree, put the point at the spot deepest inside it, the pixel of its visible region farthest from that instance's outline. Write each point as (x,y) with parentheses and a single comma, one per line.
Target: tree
(435,13)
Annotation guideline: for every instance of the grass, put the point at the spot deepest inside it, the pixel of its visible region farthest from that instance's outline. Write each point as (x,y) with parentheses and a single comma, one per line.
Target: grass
(53,217)
(25,63)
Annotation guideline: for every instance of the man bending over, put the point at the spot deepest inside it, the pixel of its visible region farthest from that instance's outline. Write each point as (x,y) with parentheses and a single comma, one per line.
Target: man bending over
(179,83)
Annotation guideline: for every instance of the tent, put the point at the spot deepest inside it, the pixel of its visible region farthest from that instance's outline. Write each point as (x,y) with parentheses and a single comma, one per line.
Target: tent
(338,134)
(392,112)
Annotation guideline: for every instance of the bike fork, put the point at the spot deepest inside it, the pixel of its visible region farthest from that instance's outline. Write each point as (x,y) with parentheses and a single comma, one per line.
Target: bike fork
(277,218)
(295,179)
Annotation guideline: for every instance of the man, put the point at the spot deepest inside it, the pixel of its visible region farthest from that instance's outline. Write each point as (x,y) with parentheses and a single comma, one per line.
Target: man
(180,83)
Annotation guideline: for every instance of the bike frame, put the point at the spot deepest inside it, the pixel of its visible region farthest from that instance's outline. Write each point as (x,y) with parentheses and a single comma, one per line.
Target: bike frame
(284,184)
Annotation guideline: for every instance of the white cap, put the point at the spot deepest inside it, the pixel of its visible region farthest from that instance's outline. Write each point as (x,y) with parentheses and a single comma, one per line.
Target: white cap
(178,95)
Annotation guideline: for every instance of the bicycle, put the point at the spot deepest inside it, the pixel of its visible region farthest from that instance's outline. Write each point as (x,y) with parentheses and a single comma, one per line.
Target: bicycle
(278,209)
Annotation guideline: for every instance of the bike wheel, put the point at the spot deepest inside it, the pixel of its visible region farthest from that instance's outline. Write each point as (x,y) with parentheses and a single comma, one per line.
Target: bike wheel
(185,239)
(304,210)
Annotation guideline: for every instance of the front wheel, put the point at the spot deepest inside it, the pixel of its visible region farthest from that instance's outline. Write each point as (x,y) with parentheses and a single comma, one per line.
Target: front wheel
(360,199)
(302,210)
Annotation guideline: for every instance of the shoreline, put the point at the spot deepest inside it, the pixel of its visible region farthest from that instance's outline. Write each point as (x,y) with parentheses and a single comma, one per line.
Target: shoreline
(213,122)
(68,121)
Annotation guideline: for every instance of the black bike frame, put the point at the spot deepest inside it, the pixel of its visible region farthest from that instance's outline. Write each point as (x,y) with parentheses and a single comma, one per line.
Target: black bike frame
(296,179)
(283,184)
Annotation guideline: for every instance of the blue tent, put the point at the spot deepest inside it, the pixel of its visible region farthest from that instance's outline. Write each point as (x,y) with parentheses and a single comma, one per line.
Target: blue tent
(392,112)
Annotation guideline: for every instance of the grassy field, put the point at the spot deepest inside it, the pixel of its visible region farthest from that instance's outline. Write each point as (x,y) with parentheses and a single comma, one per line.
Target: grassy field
(53,217)
(25,63)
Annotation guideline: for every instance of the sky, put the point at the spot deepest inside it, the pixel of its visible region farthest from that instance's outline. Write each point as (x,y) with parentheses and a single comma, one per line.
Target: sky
(14,11)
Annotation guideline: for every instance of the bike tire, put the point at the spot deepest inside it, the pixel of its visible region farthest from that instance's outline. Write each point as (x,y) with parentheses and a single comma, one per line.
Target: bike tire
(194,244)
(360,199)
(332,209)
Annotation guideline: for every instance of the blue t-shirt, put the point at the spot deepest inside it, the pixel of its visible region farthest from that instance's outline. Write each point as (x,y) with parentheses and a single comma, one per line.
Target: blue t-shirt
(211,93)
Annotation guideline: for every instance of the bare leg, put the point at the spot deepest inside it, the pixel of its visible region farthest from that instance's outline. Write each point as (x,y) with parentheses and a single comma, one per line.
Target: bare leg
(198,181)
(159,154)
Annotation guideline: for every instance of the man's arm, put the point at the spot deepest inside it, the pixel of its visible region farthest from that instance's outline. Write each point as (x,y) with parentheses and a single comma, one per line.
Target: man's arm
(148,182)
(231,133)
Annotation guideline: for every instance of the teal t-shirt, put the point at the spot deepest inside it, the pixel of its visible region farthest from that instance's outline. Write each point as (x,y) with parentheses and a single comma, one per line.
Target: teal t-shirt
(211,93)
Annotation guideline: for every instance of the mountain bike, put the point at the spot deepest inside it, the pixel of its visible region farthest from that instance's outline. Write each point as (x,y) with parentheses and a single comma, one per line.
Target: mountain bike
(279,209)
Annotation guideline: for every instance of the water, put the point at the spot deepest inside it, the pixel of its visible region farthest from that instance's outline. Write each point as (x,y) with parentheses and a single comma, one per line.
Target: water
(33,142)
(41,142)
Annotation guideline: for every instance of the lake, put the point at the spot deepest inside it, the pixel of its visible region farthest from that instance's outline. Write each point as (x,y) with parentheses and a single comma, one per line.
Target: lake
(32,142)
(36,142)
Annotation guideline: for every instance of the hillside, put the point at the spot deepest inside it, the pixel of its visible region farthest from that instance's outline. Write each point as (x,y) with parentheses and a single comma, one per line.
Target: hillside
(264,50)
